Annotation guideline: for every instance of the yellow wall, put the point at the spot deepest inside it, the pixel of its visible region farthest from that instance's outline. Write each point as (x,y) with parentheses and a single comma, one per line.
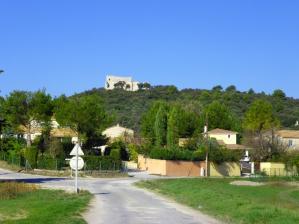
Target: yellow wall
(224,169)
(224,137)
(273,169)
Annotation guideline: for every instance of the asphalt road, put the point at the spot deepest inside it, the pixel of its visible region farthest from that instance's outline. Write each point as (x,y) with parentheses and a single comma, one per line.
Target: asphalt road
(118,201)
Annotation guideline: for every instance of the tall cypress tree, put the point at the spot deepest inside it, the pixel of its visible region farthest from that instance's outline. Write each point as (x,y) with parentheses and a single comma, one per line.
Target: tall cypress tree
(173,127)
(160,126)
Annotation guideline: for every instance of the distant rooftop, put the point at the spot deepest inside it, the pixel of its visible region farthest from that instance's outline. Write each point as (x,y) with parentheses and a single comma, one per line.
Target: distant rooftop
(222,131)
(288,133)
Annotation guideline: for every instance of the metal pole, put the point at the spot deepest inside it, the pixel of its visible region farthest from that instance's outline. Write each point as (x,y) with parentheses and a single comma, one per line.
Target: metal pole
(76,178)
(207,149)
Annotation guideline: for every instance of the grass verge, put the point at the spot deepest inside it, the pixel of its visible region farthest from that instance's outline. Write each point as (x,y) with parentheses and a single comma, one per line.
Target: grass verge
(273,203)
(21,203)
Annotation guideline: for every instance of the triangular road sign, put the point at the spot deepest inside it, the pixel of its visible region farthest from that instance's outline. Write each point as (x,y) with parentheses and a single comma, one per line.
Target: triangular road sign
(74,150)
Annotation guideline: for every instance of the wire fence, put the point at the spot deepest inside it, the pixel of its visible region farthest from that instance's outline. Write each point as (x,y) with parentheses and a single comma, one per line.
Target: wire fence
(92,163)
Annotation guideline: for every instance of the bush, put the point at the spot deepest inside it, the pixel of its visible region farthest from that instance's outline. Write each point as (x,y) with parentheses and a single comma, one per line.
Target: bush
(101,163)
(115,154)
(30,155)
(49,163)
(291,160)
(171,154)
(12,143)
(198,155)
(133,152)
(56,149)
(124,155)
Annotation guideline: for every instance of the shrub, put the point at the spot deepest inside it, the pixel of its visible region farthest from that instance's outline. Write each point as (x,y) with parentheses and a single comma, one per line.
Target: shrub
(291,160)
(12,143)
(115,154)
(56,149)
(30,155)
(101,163)
(50,163)
(171,154)
(124,155)
(133,152)
(198,155)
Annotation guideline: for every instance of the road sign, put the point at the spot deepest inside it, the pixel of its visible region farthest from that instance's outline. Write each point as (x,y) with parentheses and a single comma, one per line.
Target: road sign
(77,149)
(73,163)
(76,162)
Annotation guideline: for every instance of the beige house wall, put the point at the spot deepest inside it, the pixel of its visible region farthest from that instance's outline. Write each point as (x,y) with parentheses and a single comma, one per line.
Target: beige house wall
(228,169)
(295,142)
(226,138)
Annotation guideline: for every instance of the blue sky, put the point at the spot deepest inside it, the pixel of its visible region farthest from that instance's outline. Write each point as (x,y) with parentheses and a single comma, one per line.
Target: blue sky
(69,46)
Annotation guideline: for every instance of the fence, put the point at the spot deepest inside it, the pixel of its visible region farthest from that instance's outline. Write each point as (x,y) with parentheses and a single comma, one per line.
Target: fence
(280,172)
(92,163)
(13,159)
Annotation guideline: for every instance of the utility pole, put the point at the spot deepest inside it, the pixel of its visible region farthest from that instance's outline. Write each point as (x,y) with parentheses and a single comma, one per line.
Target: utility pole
(206,136)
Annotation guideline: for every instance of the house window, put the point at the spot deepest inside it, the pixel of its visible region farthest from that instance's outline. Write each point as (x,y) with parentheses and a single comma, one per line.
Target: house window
(228,136)
(290,143)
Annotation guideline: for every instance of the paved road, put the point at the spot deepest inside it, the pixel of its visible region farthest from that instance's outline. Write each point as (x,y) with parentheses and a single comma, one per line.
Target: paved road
(117,201)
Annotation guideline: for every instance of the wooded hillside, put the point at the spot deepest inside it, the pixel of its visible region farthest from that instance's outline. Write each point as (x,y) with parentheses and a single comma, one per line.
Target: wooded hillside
(128,107)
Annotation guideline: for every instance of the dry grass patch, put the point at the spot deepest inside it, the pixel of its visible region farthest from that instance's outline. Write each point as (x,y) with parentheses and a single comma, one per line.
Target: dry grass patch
(9,190)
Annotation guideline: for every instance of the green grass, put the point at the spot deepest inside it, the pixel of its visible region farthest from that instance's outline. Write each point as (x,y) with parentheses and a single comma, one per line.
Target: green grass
(275,202)
(43,206)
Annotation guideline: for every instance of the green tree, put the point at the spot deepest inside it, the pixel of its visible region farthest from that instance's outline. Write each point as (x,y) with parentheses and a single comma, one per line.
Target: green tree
(219,116)
(231,88)
(83,114)
(160,126)
(120,85)
(28,109)
(148,121)
(173,127)
(217,88)
(278,93)
(260,117)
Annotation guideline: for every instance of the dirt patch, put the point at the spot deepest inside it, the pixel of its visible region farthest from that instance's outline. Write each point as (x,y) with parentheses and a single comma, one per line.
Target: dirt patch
(246,183)
(17,216)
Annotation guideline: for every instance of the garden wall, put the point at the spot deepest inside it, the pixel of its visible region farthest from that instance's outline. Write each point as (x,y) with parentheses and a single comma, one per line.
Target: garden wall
(227,169)
(186,168)
(276,169)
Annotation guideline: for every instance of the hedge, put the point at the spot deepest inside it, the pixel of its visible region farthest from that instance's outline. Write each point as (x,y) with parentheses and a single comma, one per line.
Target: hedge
(101,163)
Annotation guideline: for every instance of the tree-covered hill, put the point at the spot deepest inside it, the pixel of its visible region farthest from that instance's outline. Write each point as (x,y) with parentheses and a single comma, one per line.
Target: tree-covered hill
(128,107)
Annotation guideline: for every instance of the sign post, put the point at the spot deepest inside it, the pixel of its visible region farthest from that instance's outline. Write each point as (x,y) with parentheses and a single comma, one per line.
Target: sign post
(76,163)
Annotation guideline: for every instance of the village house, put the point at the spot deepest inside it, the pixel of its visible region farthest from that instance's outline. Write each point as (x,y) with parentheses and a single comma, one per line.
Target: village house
(56,132)
(118,132)
(289,137)
(226,138)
